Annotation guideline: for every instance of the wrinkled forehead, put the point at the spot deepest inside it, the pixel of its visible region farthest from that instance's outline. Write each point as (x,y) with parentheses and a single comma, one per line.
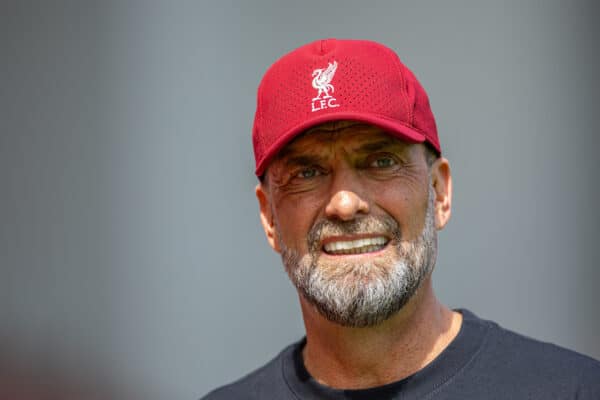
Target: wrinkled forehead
(323,136)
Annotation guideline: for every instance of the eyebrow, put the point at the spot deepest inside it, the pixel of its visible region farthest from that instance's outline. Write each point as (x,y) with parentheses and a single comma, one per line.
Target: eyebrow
(379,145)
(289,159)
(302,160)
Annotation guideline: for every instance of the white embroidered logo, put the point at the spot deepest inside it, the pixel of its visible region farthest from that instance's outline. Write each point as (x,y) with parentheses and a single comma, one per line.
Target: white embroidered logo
(322,82)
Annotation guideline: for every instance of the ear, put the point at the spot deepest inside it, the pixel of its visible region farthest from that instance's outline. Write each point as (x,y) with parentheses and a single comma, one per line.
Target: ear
(441,179)
(266,216)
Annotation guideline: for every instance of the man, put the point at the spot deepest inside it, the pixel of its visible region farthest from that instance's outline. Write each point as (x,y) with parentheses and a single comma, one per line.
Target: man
(352,191)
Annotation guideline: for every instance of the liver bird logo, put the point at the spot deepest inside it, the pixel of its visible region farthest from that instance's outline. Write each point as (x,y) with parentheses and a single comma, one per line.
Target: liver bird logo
(322,81)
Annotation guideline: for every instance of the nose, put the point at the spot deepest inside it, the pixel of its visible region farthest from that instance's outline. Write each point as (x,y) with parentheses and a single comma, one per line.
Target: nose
(345,205)
(346,201)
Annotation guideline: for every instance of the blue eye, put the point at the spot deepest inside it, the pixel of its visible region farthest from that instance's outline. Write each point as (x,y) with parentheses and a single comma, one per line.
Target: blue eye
(383,162)
(308,173)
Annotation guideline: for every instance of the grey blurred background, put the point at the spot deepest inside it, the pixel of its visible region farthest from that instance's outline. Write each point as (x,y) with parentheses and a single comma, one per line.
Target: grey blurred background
(132,260)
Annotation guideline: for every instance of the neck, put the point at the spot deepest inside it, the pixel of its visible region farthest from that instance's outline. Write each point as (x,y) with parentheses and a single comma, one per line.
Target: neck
(357,358)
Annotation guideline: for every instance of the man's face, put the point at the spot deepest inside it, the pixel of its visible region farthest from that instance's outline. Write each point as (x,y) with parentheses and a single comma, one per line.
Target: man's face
(352,212)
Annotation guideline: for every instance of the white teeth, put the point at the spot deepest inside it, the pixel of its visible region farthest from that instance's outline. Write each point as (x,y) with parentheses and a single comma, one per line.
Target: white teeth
(365,245)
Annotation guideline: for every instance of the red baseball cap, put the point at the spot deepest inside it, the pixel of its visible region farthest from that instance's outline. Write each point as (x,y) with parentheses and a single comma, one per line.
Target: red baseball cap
(334,79)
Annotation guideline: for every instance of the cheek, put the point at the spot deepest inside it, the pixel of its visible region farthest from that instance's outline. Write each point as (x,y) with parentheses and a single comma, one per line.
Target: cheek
(406,203)
(295,218)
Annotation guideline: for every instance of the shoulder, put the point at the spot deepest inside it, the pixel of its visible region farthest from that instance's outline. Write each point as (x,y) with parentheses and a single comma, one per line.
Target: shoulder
(512,357)
(264,382)
(508,345)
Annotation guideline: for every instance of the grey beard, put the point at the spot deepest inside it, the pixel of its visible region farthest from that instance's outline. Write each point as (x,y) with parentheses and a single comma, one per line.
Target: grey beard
(362,295)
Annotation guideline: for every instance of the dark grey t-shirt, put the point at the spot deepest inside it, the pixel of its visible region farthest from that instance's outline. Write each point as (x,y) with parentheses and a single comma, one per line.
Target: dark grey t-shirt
(484,361)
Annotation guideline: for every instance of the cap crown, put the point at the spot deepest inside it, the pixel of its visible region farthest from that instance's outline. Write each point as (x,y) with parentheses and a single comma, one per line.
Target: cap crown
(339,79)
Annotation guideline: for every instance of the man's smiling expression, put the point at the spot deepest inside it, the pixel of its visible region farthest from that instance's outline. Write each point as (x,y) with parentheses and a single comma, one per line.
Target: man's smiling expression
(351,210)
(345,172)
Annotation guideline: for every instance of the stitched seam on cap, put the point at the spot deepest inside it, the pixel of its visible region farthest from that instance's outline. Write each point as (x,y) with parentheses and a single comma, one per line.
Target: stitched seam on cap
(404,87)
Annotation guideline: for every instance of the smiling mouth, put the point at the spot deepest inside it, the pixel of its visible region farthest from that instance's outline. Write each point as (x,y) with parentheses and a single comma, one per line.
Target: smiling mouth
(358,246)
